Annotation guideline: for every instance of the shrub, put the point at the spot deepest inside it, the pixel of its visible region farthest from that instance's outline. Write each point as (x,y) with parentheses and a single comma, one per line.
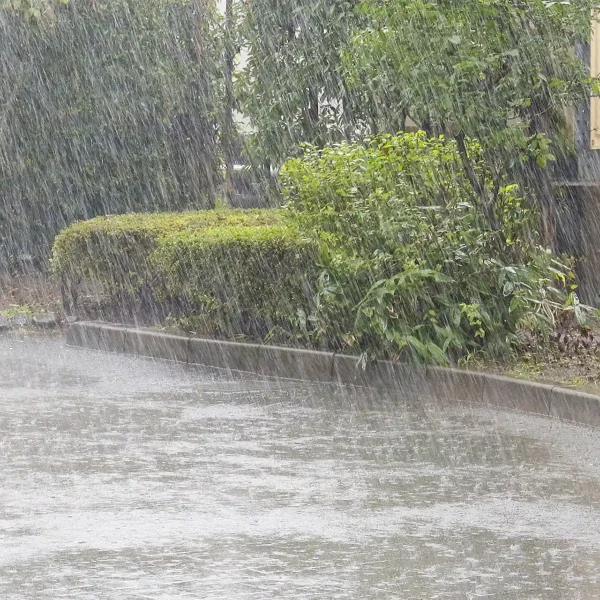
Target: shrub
(237,279)
(225,273)
(415,264)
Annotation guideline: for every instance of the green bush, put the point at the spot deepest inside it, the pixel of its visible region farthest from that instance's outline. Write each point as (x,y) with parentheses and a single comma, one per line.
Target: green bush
(385,249)
(238,279)
(225,273)
(416,264)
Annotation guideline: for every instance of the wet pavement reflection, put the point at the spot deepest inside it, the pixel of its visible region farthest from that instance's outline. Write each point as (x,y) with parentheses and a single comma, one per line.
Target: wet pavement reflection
(124,478)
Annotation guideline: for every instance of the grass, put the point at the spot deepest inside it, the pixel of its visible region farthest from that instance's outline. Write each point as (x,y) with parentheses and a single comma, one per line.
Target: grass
(15,310)
(579,370)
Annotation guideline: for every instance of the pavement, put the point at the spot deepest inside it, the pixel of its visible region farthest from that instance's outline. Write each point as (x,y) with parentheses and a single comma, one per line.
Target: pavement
(127,478)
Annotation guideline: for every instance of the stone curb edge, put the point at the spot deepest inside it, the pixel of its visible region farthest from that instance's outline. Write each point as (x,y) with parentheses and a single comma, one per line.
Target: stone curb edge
(442,384)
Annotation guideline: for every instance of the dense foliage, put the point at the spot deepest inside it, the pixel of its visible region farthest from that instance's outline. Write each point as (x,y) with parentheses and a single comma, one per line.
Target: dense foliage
(108,108)
(499,71)
(430,243)
(385,249)
(292,86)
(141,118)
(411,267)
(225,273)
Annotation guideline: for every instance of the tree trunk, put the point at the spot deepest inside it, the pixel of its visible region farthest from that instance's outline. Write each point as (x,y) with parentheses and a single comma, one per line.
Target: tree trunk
(539,178)
(540,115)
(487,204)
(311,117)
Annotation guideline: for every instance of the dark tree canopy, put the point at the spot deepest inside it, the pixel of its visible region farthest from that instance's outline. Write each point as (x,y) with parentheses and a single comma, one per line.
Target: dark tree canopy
(105,110)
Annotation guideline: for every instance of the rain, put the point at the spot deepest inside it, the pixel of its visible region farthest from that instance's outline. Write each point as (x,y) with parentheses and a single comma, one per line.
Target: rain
(299,299)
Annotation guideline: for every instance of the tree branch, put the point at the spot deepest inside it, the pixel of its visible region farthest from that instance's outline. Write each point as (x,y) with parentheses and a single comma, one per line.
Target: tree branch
(487,205)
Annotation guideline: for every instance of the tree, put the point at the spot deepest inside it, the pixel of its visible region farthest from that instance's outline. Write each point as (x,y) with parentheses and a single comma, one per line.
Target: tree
(292,87)
(500,71)
(105,111)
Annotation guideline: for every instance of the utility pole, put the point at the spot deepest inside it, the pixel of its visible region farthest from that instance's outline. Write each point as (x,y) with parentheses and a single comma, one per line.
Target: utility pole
(204,141)
(228,129)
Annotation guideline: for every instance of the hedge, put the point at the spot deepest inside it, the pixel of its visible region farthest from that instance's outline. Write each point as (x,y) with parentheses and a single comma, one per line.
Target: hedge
(226,273)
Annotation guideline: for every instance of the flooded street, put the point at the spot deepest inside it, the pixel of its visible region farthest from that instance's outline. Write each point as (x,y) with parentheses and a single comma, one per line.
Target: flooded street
(123,478)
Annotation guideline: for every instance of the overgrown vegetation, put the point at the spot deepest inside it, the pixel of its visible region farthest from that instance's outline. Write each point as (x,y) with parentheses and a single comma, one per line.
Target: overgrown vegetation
(385,249)
(224,273)
(412,267)
(143,116)
(499,71)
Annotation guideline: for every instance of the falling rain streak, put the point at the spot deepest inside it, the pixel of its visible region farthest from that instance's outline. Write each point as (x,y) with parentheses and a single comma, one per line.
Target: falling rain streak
(406,180)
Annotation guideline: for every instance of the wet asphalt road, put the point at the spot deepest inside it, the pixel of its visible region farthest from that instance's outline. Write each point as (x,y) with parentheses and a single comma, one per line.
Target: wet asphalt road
(122,478)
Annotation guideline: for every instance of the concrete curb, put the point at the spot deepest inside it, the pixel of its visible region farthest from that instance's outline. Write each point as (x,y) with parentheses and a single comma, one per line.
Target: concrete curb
(453,385)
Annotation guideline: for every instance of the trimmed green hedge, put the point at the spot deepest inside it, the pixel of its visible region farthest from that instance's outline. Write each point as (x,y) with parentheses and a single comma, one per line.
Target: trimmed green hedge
(226,273)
